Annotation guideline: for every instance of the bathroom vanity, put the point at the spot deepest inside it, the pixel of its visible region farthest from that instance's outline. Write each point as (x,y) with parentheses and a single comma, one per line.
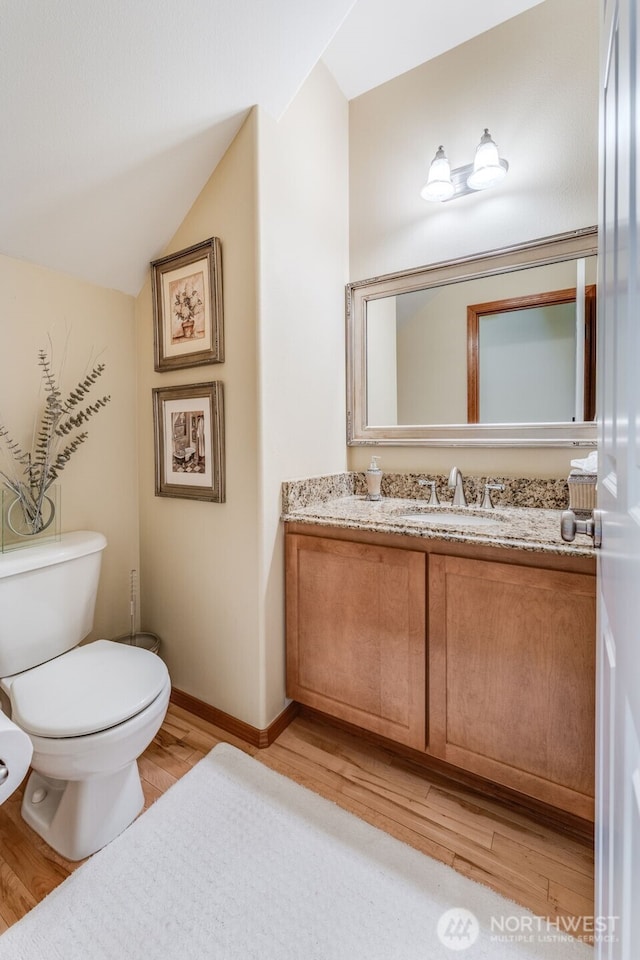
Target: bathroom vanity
(466,635)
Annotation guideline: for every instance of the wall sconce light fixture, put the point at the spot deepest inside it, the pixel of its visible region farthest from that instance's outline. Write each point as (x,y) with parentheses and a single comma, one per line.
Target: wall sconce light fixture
(487,170)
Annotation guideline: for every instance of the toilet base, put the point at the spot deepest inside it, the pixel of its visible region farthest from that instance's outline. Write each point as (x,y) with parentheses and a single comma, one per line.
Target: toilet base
(78,817)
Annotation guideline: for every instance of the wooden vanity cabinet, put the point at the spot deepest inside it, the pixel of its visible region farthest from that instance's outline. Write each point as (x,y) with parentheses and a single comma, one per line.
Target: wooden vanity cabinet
(512,677)
(480,657)
(356,634)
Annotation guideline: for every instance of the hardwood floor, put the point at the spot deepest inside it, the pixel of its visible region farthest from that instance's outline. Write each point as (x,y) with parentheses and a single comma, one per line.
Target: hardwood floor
(538,868)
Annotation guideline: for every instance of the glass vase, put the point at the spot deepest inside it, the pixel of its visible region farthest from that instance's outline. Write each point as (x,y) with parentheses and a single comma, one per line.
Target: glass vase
(17,531)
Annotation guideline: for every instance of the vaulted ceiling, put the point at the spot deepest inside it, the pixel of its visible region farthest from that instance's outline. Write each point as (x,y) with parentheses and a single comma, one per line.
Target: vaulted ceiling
(113,115)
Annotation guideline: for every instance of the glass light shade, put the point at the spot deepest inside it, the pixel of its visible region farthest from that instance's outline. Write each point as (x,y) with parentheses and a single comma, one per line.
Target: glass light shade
(488,168)
(438,185)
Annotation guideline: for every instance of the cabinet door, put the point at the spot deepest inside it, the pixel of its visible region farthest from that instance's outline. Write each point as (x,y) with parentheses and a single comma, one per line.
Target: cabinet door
(356,634)
(511,674)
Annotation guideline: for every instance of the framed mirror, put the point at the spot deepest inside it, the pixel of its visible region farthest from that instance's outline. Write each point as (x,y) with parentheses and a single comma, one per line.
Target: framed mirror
(492,350)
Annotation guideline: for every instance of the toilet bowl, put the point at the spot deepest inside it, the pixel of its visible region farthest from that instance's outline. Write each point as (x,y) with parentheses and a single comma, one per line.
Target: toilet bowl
(78,711)
(90,710)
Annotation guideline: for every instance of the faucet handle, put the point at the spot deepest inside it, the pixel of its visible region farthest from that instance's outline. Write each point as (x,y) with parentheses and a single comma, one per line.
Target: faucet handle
(486,500)
(433,499)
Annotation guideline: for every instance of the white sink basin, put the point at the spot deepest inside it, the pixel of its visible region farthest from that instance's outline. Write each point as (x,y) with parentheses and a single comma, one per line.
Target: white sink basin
(460,520)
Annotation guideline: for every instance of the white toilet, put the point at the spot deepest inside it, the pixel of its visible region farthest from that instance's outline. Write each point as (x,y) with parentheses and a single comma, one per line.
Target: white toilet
(90,711)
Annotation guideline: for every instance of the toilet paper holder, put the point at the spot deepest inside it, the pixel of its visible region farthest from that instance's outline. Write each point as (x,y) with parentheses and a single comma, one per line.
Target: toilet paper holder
(16,750)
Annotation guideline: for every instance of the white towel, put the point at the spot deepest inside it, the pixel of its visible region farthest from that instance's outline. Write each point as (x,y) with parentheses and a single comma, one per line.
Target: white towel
(589,465)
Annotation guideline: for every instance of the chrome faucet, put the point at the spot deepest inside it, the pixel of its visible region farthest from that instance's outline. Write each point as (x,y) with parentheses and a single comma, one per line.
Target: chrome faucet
(433,499)
(455,484)
(487,503)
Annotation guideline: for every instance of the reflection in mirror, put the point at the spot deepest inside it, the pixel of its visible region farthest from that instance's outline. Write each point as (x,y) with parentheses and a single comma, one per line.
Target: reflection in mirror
(421,370)
(532,359)
(419,359)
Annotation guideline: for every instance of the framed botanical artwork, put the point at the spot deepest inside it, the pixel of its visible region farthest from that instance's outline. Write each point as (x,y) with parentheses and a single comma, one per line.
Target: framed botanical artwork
(188,327)
(189,441)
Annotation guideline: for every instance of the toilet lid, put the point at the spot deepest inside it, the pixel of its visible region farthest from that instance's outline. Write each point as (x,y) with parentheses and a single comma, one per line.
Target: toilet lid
(89,689)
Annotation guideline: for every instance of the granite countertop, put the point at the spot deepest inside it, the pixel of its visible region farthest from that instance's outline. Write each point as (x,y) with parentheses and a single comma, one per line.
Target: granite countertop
(522,528)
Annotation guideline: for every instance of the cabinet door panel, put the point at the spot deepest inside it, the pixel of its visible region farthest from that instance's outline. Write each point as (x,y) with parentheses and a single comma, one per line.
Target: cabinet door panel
(512,676)
(356,634)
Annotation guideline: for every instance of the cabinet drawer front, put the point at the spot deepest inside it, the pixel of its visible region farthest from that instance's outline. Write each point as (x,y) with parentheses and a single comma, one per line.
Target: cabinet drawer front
(512,672)
(356,634)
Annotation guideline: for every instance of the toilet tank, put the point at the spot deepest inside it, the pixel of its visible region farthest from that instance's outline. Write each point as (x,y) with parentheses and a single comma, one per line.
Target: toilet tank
(47,598)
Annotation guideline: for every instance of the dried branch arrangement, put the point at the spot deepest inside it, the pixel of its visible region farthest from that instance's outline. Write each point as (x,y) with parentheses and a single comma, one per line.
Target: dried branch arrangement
(56,439)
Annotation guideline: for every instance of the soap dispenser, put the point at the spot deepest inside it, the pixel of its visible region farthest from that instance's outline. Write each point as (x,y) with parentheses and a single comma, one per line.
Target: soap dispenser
(374,478)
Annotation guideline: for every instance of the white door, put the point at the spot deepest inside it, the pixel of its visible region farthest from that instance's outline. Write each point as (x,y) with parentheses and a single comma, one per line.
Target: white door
(618,750)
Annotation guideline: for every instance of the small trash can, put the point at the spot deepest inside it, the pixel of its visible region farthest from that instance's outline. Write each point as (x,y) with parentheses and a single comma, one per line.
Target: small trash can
(148,641)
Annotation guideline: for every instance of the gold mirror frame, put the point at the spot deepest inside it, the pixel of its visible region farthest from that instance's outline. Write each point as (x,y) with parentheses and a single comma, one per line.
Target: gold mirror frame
(567,246)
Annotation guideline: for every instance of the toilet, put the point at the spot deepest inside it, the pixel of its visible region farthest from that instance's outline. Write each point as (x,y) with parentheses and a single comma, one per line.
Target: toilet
(90,711)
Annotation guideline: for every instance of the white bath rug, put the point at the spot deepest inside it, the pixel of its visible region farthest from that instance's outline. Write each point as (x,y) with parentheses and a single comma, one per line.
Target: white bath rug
(236,862)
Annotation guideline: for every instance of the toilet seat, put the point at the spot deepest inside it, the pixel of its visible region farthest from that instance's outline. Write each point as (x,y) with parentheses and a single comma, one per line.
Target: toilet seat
(86,690)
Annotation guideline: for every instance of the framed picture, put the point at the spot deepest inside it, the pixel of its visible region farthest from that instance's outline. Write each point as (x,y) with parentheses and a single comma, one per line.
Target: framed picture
(187,307)
(189,441)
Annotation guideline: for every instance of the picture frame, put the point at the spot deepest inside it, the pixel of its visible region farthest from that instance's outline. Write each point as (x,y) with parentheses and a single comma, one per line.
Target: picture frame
(189,441)
(188,327)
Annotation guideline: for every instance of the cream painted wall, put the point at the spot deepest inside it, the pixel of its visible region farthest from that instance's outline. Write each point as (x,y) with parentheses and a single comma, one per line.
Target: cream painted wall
(98,484)
(382,361)
(432,359)
(303,177)
(533,81)
(200,560)
(212,574)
